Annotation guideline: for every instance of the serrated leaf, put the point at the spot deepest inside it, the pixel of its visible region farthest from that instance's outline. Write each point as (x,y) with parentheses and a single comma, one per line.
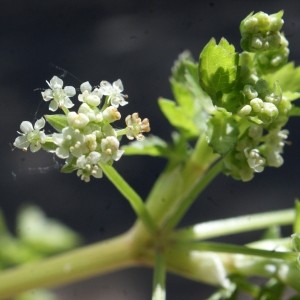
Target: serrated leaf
(294,111)
(218,67)
(178,118)
(222,133)
(58,122)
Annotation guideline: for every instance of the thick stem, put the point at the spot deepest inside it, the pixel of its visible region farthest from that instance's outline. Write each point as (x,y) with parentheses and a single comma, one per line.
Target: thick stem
(100,258)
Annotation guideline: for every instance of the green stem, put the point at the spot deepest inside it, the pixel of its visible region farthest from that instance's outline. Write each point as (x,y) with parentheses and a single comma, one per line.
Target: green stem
(134,199)
(107,256)
(228,248)
(121,132)
(65,110)
(159,278)
(192,195)
(218,228)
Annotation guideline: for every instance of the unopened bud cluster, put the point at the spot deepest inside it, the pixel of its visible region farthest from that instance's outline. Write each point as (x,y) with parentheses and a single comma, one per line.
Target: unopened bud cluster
(260,32)
(85,138)
(261,144)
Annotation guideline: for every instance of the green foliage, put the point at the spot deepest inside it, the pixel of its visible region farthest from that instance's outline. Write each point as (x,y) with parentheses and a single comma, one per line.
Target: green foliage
(218,68)
(58,122)
(222,133)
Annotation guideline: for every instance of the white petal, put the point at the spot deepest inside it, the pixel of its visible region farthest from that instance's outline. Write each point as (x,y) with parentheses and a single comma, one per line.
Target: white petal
(47,95)
(39,124)
(62,152)
(117,85)
(34,147)
(56,83)
(67,103)
(119,154)
(106,87)
(98,173)
(53,105)
(21,142)
(85,87)
(42,137)
(70,91)
(95,157)
(57,138)
(26,127)
(81,162)
(93,100)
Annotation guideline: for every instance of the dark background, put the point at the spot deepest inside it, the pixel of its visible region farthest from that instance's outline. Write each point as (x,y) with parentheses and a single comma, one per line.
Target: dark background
(138,42)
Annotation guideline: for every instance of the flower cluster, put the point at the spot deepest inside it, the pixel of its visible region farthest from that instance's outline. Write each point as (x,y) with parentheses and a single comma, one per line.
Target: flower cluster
(86,138)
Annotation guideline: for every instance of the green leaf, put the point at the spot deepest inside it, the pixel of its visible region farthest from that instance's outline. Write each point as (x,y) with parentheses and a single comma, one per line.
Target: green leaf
(291,95)
(294,111)
(222,133)
(58,122)
(178,118)
(42,234)
(183,97)
(179,68)
(69,166)
(151,145)
(218,67)
(288,77)
(49,146)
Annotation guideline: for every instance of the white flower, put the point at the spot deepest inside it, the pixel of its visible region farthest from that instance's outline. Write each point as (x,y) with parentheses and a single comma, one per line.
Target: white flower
(88,166)
(70,140)
(114,92)
(77,120)
(88,96)
(255,161)
(111,114)
(135,127)
(110,149)
(32,136)
(60,96)
(94,114)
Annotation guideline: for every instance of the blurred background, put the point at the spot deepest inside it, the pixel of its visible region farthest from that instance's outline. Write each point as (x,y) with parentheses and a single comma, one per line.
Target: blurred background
(138,42)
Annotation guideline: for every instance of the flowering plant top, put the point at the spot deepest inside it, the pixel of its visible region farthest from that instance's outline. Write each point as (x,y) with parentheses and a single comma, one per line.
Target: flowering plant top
(84,138)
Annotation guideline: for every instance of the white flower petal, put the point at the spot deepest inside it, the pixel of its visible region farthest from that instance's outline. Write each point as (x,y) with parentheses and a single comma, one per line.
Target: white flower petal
(47,95)
(26,127)
(95,157)
(53,106)
(39,124)
(67,103)
(118,86)
(56,83)
(34,147)
(21,142)
(70,91)
(62,152)
(98,173)
(85,87)
(57,138)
